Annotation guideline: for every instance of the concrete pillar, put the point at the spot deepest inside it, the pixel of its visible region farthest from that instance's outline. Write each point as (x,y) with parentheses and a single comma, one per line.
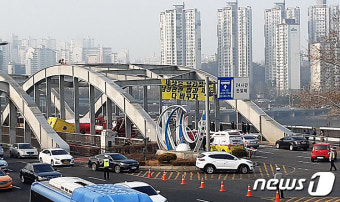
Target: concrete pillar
(36,94)
(160,103)
(217,113)
(108,113)
(27,133)
(62,97)
(12,122)
(117,110)
(145,98)
(130,90)
(127,126)
(197,113)
(76,103)
(48,97)
(92,110)
(207,112)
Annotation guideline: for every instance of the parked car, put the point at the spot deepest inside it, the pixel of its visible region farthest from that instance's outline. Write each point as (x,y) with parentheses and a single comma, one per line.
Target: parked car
(144,188)
(1,151)
(20,150)
(118,162)
(292,143)
(209,162)
(33,172)
(3,164)
(56,157)
(250,141)
(321,152)
(5,181)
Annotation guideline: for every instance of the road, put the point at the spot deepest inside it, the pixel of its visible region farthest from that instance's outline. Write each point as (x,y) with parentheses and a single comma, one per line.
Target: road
(294,164)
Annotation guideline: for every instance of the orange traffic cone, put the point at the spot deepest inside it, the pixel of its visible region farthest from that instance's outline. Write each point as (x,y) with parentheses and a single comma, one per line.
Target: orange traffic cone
(164,176)
(249,192)
(222,187)
(277,199)
(149,173)
(183,180)
(202,184)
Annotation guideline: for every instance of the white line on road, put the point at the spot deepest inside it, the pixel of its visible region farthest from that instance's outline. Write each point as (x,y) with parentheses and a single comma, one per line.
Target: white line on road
(302,168)
(305,157)
(264,157)
(202,200)
(265,152)
(97,179)
(16,187)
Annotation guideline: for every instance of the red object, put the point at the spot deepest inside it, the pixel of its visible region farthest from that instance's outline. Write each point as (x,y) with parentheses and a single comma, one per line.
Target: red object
(183,180)
(222,187)
(164,176)
(277,198)
(149,173)
(84,125)
(202,184)
(249,191)
(320,151)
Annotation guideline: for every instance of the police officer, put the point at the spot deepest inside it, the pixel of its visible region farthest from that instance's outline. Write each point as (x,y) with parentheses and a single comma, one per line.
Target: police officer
(106,167)
(332,158)
(278,175)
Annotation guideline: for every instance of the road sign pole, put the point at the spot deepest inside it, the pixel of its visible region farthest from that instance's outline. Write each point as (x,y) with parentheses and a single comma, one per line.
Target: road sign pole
(207,119)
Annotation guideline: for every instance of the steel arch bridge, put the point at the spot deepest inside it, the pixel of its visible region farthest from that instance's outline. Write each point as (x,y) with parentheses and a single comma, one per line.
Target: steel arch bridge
(111,80)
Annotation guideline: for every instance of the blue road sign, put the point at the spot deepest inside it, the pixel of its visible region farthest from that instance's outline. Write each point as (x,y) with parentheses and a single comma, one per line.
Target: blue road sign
(225,88)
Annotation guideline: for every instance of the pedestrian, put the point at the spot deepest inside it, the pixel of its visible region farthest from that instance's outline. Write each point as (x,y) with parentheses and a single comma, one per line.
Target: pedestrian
(322,134)
(232,125)
(332,159)
(248,128)
(106,163)
(314,134)
(278,175)
(243,127)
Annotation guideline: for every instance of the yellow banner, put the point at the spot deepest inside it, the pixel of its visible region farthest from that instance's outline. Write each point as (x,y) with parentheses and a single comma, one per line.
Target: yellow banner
(185,90)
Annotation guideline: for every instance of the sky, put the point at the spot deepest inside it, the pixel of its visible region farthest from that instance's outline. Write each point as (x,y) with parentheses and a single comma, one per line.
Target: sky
(129,24)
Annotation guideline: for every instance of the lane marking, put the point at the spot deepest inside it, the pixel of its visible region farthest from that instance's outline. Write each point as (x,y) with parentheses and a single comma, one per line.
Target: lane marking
(202,200)
(272,169)
(219,176)
(266,169)
(198,176)
(177,175)
(157,174)
(264,157)
(284,169)
(261,172)
(191,174)
(225,177)
(16,187)
(170,175)
(233,178)
(97,179)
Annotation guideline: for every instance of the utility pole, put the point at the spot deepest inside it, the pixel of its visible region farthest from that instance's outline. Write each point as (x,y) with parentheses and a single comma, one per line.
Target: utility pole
(207,119)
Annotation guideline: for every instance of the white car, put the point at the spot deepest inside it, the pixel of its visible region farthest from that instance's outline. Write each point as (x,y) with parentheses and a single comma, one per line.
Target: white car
(144,188)
(23,150)
(212,161)
(56,157)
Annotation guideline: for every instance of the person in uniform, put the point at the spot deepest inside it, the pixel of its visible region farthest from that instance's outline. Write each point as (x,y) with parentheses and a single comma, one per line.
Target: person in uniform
(332,159)
(278,175)
(106,167)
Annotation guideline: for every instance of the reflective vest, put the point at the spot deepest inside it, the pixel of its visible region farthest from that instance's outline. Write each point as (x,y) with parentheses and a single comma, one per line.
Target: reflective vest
(106,163)
(332,155)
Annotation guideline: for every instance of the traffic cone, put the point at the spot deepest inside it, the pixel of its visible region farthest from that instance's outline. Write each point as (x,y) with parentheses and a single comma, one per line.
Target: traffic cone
(164,176)
(249,192)
(183,180)
(222,187)
(277,199)
(202,184)
(149,173)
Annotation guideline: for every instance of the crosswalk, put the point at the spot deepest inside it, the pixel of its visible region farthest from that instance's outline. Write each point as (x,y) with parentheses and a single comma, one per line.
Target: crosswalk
(262,170)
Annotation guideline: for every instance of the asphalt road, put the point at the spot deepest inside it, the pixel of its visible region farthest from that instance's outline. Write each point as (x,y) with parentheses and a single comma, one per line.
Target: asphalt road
(294,164)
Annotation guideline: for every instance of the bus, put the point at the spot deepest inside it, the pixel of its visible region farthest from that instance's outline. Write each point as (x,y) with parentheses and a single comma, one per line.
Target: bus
(74,189)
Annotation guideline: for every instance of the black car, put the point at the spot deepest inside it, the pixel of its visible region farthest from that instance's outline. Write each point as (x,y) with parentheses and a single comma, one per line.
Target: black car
(292,143)
(118,162)
(33,172)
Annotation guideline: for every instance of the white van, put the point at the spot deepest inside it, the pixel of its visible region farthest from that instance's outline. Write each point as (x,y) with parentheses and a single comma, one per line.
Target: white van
(226,141)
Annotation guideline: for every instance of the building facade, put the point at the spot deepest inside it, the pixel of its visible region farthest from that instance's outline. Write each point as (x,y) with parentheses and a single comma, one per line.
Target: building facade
(234,33)
(282,48)
(180,35)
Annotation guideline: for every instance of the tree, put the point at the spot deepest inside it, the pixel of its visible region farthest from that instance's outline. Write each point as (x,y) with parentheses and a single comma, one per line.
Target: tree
(324,57)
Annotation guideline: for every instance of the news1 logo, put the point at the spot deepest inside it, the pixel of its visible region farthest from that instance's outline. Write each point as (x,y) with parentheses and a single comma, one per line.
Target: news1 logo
(323,187)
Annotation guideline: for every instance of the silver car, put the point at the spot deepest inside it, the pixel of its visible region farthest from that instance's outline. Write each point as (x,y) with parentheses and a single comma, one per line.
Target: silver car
(3,164)
(20,150)
(250,141)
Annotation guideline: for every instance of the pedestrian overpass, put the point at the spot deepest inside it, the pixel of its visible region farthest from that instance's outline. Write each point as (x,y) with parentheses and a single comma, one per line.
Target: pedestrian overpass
(114,84)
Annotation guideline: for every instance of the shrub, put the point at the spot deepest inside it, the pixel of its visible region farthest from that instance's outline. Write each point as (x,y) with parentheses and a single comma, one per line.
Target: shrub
(166,157)
(239,152)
